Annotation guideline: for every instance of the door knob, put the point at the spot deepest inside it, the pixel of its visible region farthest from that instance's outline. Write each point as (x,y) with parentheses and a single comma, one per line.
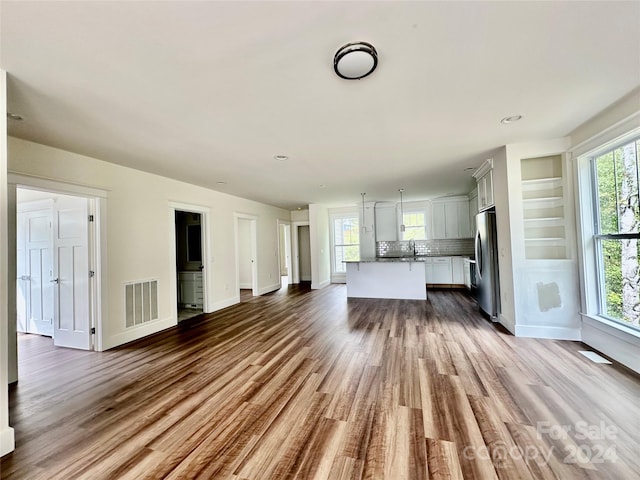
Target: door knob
(55,280)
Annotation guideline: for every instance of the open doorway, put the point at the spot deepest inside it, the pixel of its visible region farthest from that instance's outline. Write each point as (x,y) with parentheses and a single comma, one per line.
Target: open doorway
(246,256)
(55,266)
(189,264)
(301,250)
(284,254)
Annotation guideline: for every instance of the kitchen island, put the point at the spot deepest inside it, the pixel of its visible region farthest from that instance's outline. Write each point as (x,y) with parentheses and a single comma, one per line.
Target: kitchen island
(399,278)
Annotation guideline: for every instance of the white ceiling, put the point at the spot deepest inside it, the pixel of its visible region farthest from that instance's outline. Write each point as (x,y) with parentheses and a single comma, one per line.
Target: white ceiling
(211,91)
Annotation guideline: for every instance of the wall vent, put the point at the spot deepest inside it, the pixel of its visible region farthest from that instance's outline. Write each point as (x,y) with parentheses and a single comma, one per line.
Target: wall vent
(140,302)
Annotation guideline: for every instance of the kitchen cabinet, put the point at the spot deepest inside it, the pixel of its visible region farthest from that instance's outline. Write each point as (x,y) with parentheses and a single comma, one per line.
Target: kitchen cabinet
(473,210)
(484,180)
(467,273)
(457,270)
(438,270)
(450,218)
(386,222)
(444,270)
(190,289)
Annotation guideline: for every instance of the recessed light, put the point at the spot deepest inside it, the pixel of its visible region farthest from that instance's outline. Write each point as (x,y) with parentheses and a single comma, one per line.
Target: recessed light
(281,158)
(14,116)
(511,119)
(221,183)
(468,169)
(322,185)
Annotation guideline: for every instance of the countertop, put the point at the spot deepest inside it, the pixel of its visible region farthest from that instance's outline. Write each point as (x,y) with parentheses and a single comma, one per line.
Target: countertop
(418,258)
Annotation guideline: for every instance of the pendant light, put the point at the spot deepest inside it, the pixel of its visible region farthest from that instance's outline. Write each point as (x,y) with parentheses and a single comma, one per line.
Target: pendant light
(401,211)
(364,228)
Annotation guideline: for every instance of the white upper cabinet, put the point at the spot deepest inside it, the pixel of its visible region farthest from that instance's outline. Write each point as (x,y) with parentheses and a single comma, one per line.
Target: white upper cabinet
(386,222)
(484,178)
(451,218)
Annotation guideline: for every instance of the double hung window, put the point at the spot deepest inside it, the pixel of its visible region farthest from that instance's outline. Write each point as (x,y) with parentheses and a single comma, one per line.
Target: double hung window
(616,176)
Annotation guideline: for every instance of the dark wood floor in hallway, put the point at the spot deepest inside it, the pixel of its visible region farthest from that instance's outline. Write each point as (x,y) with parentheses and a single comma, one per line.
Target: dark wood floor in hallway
(307,384)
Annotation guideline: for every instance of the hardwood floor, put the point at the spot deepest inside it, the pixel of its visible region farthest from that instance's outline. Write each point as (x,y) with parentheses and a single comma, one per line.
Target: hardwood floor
(307,384)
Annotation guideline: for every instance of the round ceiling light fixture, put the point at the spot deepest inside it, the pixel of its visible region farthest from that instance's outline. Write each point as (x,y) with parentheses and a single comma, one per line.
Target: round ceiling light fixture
(511,119)
(355,60)
(280,158)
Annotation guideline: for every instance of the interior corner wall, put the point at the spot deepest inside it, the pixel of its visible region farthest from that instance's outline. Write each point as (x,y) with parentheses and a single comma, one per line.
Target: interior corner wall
(320,254)
(12,301)
(7,440)
(138,231)
(501,192)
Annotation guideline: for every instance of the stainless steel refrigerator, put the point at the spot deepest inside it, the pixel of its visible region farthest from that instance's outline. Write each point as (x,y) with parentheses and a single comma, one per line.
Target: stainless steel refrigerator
(487,278)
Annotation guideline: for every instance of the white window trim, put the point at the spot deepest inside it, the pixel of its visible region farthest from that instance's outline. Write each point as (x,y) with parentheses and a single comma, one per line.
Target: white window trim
(420,211)
(590,283)
(338,277)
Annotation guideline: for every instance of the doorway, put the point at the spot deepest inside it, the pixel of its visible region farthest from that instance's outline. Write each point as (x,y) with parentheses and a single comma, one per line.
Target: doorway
(54,265)
(301,249)
(284,254)
(189,264)
(246,256)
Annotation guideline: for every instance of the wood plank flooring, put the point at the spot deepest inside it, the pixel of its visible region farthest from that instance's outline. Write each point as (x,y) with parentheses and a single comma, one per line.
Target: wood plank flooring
(309,385)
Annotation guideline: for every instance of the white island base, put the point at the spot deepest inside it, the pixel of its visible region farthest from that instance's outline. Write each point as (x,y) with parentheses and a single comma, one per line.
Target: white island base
(401,280)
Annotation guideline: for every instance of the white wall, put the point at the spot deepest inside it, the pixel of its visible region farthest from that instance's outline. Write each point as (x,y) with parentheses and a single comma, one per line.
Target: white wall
(139,225)
(244,253)
(304,253)
(7,442)
(300,215)
(320,254)
(528,276)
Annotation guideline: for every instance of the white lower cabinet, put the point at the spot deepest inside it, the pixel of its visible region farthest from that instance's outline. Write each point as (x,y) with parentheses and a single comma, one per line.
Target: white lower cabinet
(457,270)
(190,287)
(444,270)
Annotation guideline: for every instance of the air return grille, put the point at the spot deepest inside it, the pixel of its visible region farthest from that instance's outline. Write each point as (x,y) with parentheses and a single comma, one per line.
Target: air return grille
(140,302)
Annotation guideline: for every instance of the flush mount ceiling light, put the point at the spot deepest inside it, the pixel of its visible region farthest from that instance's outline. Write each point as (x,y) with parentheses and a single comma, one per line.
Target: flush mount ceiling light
(281,158)
(355,60)
(511,119)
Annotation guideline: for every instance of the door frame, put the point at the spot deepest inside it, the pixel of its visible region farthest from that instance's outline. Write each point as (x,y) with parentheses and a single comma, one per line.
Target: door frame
(97,245)
(287,246)
(295,250)
(205,218)
(253,223)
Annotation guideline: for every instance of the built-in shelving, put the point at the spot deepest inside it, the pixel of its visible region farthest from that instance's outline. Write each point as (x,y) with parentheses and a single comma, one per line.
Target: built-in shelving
(543,206)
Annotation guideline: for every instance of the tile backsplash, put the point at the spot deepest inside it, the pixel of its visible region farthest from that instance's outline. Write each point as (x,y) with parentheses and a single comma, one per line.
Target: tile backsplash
(461,246)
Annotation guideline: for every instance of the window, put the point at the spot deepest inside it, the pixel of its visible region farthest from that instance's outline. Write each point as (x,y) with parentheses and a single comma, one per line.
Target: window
(346,241)
(414,226)
(617,231)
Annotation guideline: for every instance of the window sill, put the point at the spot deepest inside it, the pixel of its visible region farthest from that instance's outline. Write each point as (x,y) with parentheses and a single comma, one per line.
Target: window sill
(621,331)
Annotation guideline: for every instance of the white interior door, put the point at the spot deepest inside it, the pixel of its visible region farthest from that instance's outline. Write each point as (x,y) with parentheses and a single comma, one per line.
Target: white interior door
(72,322)
(35,271)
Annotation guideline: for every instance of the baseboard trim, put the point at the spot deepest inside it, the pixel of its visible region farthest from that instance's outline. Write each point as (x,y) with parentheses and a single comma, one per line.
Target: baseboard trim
(246,286)
(7,441)
(227,302)
(269,288)
(552,333)
(321,285)
(136,333)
